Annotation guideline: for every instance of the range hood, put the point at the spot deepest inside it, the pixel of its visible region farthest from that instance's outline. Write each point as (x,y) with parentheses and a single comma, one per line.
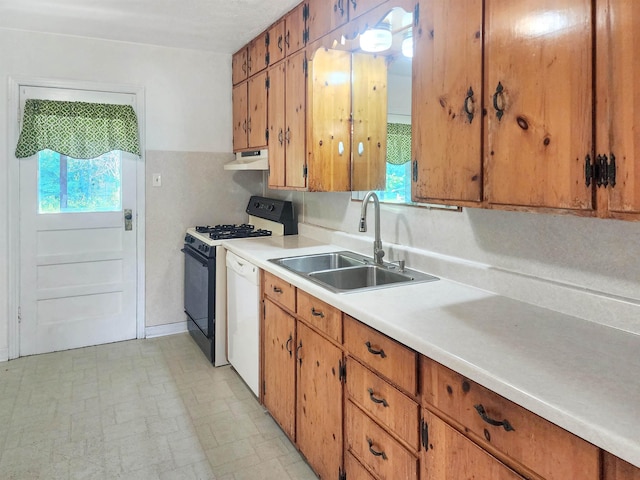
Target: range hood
(249,160)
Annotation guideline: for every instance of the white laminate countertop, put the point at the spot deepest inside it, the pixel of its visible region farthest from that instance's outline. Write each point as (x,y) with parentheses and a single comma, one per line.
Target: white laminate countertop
(580,375)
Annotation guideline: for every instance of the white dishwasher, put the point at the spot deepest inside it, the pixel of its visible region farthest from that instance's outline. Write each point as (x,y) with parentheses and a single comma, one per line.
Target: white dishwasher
(243,318)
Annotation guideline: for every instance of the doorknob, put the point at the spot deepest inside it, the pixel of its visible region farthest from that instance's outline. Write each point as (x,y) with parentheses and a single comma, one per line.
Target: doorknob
(128,219)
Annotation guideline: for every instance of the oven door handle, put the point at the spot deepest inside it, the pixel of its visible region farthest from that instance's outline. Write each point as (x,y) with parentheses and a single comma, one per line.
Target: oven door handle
(192,253)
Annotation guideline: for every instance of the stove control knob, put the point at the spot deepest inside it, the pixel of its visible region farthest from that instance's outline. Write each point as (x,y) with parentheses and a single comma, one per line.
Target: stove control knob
(206,248)
(189,239)
(256,204)
(272,207)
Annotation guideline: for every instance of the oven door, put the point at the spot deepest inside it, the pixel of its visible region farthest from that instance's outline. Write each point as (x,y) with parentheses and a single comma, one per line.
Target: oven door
(199,289)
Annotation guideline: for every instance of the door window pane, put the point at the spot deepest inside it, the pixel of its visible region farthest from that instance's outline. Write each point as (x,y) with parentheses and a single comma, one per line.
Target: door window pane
(67,185)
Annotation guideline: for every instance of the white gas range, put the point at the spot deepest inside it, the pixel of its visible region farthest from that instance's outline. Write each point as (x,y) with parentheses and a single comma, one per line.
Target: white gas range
(205,282)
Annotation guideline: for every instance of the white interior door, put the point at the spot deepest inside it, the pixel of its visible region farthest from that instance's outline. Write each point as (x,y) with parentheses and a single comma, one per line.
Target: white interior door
(77,260)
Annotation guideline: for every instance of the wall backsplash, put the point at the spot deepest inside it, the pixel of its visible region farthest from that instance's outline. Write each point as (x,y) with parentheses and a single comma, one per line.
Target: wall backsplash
(596,259)
(195,190)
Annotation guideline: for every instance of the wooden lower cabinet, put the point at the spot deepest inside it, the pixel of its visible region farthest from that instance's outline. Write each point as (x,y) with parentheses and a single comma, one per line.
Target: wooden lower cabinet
(452,456)
(617,469)
(279,388)
(319,405)
(355,470)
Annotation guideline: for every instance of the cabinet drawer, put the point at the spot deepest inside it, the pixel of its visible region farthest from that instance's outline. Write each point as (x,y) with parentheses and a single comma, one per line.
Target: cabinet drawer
(354,469)
(321,315)
(384,403)
(537,444)
(368,442)
(279,291)
(377,351)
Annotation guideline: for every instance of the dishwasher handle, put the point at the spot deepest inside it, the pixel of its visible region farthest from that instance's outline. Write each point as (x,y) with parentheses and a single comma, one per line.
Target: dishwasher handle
(240,266)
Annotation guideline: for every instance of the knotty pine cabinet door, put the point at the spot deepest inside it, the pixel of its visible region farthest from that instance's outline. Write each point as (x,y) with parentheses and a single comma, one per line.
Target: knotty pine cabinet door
(618,106)
(539,97)
(447,101)
(450,455)
(279,369)
(294,37)
(277,125)
(239,66)
(258,59)
(250,113)
(325,16)
(319,406)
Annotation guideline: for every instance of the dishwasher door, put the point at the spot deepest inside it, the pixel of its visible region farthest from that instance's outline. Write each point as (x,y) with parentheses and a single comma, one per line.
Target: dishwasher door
(243,319)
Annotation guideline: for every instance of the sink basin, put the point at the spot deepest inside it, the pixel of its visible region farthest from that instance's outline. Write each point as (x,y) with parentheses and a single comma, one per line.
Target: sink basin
(369,276)
(321,261)
(347,271)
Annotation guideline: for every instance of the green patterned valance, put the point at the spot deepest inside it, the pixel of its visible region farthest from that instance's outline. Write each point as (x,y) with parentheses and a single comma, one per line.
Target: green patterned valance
(398,143)
(77,129)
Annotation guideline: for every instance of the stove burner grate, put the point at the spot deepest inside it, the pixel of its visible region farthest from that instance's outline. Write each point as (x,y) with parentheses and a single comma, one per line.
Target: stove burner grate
(224,232)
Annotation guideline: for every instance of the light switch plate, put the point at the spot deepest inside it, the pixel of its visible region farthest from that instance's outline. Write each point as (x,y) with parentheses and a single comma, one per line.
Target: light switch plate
(157,180)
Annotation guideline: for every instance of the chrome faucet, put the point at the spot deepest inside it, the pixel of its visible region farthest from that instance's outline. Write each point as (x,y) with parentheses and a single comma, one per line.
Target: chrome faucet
(378,252)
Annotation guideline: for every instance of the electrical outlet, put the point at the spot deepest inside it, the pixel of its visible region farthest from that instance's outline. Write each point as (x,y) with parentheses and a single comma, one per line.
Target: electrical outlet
(157,180)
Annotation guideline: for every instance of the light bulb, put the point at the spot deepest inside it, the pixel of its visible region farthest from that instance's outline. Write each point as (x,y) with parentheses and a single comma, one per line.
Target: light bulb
(376,39)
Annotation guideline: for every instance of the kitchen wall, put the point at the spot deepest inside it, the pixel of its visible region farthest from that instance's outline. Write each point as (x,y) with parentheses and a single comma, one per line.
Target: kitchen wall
(541,258)
(188,134)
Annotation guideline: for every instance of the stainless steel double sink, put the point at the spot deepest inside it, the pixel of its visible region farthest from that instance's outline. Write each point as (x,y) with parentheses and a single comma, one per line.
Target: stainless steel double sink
(346,271)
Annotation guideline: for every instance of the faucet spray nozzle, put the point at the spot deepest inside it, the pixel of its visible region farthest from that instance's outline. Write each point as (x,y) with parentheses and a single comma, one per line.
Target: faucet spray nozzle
(363,225)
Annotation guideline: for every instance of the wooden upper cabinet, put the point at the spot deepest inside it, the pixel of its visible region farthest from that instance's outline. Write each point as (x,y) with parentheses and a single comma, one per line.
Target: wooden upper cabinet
(276,48)
(369,107)
(239,67)
(277,126)
(258,59)
(538,93)
(295,121)
(447,101)
(617,469)
(329,120)
(240,121)
(250,113)
(325,16)
(617,122)
(358,7)
(295,22)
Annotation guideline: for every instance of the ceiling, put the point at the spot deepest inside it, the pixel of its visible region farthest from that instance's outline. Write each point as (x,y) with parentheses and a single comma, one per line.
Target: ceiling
(221,26)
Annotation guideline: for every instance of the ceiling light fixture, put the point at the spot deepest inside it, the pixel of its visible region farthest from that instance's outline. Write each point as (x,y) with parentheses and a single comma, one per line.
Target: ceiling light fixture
(376,39)
(407,45)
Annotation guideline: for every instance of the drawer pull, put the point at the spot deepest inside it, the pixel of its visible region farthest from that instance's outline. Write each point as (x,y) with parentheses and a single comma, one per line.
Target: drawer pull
(375,453)
(377,400)
(288,345)
(375,352)
(277,289)
(316,313)
(483,414)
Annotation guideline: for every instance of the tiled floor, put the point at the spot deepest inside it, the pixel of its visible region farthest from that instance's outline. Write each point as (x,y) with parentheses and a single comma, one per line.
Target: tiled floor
(142,409)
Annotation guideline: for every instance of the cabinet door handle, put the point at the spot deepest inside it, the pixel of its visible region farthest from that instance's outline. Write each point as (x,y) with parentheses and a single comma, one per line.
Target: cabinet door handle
(288,345)
(354,3)
(298,352)
(281,137)
(498,95)
(277,290)
(339,6)
(375,352)
(249,125)
(377,400)
(375,453)
(244,67)
(496,423)
(287,136)
(317,313)
(469,105)
(280,43)
(244,126)
(286,39)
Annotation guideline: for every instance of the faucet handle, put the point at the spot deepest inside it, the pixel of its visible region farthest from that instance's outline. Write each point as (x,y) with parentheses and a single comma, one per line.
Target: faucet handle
(401,265)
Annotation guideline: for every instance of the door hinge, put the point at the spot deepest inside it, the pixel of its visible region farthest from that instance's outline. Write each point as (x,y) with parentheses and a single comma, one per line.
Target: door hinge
(267,83)
(342,475)
(305,66)
(424,434)
(305,12)
(266,59)
(304,171)
(305,36)
(416,14)
(266,134)
(342,368)
(414,170)
(267,39)
(602,171)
